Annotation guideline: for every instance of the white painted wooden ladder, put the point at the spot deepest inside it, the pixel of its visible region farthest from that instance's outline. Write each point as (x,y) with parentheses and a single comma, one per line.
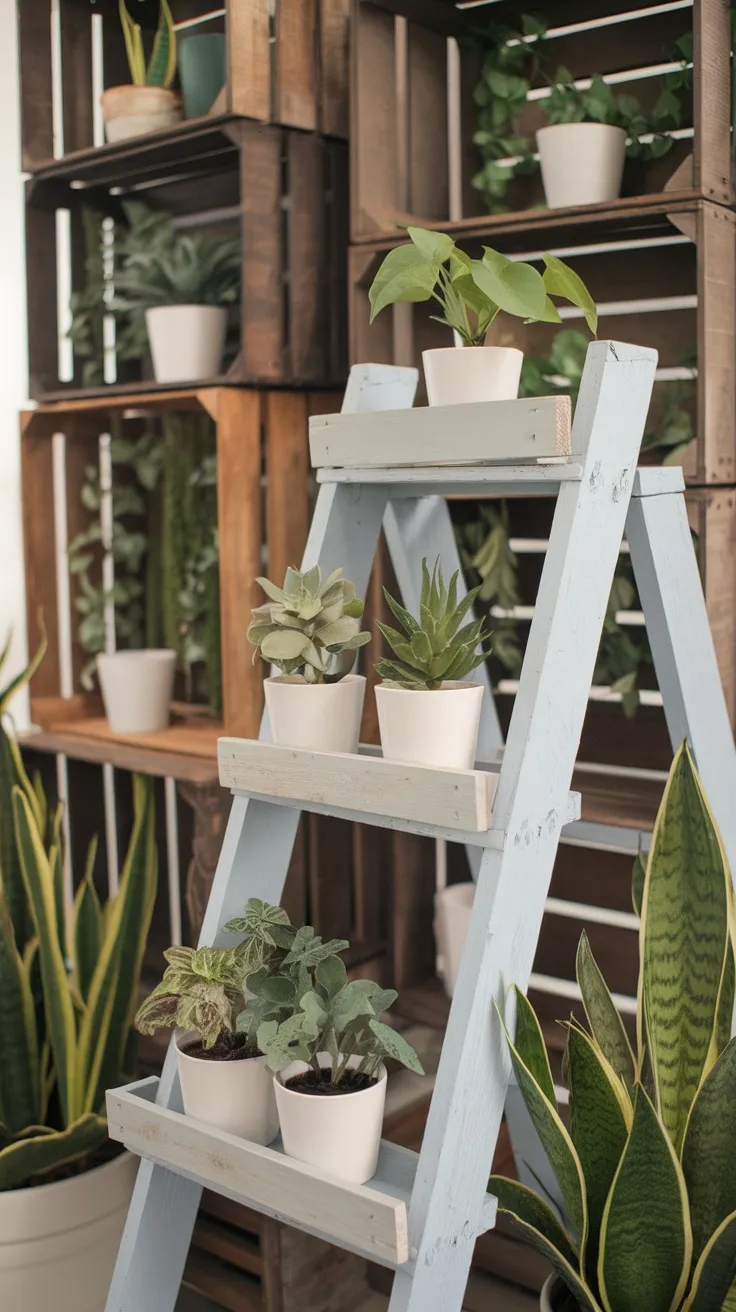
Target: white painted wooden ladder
(421,1213)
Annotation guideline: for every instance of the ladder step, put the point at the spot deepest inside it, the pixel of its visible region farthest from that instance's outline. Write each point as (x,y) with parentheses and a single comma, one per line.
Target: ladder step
(537,479)
(369,1219)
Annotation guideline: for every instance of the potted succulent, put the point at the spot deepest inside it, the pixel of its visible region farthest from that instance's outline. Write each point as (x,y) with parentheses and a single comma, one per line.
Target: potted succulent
(149,104)
(183,286)
(68,994)
(223,1076)
(137,687)
(428,713)
(325,1042)
(583,147)
(471,294)
(647,1167)
(310,630)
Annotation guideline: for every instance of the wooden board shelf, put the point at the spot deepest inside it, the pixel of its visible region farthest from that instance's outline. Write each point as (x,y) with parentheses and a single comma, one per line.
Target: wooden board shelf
(183,751)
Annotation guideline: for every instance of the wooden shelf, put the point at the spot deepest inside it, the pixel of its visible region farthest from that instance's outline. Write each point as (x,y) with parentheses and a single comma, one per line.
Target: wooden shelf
(183,751)
(370,1219)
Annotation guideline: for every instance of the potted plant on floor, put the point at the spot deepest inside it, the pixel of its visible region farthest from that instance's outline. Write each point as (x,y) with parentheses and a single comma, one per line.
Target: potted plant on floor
(182,285)
(149,104)
(323,1038)
(471,294)
(310,630)
(68,1000)
(428,712)
(647,1168)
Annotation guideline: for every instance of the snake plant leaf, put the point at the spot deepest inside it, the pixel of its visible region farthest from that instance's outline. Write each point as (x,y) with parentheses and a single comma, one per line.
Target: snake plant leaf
(645,1237)
(531,1047)
(58,1004)
(606,1025)
(555,1139)
(638,877)
(86,928)
(47,1152)
(598,1128)
(24,678)
(724,1018)
(162,65)
(684,940)
(709,1150)
(581,1292)
(522,1204)
(133,46)
(20,1093)
(713,1279)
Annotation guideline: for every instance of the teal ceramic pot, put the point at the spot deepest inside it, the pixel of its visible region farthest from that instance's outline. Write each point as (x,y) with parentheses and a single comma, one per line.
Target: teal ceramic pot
(201,71)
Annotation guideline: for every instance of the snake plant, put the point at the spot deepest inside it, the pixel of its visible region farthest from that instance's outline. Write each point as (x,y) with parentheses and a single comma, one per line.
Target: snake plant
(161,68)
(66,1000)
(433,649)
(647,1166)
(310,626)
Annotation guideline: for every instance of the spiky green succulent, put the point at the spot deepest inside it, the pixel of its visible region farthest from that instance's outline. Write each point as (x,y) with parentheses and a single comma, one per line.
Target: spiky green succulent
(434,648)
(309,627)
(201,989)
(647,1168)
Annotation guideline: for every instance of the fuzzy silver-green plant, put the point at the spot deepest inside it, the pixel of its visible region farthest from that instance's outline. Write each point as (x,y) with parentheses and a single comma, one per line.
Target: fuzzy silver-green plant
(201,989)
(309,627)
(434,648)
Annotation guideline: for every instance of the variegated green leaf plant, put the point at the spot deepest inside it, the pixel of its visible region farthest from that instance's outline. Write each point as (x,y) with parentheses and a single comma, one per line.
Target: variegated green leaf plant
(647,1165)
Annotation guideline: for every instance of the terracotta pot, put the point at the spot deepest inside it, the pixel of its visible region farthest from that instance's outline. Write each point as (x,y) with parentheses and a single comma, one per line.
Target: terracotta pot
(341,1134)
(132,111)
(323,717)
(455,375)
(187,341)
(236,1096)
(582,163)
(430,728)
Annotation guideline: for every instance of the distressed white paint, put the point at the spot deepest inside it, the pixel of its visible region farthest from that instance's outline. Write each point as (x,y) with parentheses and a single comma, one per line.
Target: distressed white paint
(534,480)
(172,860)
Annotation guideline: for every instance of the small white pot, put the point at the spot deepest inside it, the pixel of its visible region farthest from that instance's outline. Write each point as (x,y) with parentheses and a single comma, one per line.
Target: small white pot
(340,1134)
(552,1285)
(582,163)
(452,908)
(236,1096)
(430,728)
(322,717)
(59,1242)
(136,689)
(187,341)
(458,374)
(131,111)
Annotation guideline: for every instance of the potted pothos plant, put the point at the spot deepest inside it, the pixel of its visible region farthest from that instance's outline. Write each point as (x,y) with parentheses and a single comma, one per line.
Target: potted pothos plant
(148,104)
(471,293)
(428,711)
(647,1167)
(323,1037)
(310,630)
(69,985)
(583,147)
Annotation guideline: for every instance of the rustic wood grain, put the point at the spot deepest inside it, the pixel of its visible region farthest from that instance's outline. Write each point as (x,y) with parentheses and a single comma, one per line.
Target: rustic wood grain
(287,473)
(712,96)
(36,110)
(169,756)
(262,295)
(716,245)
(334,60)
(296,63)
(76,68)
(249,58)
(37,493)
(307,258)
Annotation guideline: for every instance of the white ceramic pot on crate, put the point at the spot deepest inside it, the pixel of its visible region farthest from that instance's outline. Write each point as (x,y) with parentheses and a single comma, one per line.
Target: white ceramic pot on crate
(322,717)
(458,374)
(581,163)
(437,728)
(59,1242)
(136,688)
(187,341)
(452,908)
(236,1096)
(340,1134)
(132,111)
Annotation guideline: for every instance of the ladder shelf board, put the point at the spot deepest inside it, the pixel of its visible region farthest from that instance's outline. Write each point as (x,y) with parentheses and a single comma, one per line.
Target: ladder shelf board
(481,431)
(370,1219)
(539,479)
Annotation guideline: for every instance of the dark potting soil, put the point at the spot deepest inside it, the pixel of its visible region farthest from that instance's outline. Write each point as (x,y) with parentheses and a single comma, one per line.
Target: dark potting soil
(80,1166)
(311,1082)
(226,1048)
(563,1300)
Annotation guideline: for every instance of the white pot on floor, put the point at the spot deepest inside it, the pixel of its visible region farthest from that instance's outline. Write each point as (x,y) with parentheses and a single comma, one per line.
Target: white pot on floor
(430,728)
(551,1289)
(582,163)
(187,341)
(321,717)
(59,1242)
(452,908)
(137,688)
(339,1134)
(459,374)
(236,1096)
(131,111)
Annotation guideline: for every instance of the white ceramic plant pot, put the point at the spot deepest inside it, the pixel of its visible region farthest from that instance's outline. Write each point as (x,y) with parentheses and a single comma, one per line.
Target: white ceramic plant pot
(187,341)
(452,908)
(551,1286)
(582,163)
(323,717)
(430,728)
(236,1096)
(457,374)
(136,689)
(59,1242)
(340,1134)
(131,111)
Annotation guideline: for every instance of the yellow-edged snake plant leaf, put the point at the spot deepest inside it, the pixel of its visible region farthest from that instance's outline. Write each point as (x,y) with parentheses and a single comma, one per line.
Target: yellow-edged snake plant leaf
(713,1279)
(606,1025)
(709,1150)
(598,1128)
(522,1204)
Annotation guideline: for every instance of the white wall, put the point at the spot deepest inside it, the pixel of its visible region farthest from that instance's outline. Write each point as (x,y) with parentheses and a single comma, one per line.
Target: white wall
(13,359)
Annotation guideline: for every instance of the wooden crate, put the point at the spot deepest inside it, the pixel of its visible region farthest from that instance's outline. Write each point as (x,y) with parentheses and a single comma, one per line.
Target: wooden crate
(281,192)
(413,115)
(663,274)
(287,64)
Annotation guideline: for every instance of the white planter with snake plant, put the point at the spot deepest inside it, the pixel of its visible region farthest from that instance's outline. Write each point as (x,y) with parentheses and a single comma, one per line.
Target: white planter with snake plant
(148,104)
(471,294)
(310,630)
